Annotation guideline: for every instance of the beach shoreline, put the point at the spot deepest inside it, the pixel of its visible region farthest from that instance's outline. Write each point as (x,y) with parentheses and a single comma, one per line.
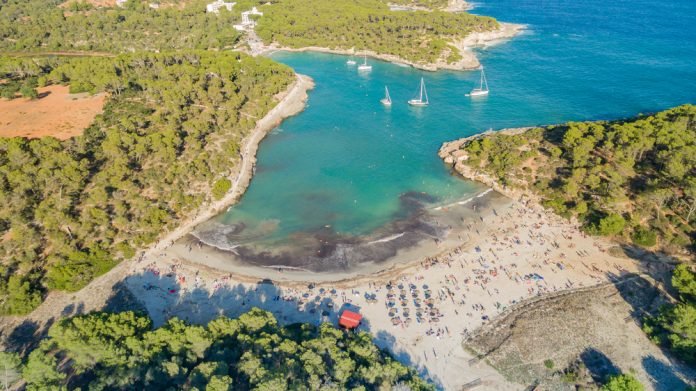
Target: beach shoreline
(291,102)
(518,252)
(194,251)
(93,296)
(469,60)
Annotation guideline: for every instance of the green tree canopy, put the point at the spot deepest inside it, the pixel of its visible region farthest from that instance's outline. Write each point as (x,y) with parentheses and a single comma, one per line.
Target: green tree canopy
(122,351)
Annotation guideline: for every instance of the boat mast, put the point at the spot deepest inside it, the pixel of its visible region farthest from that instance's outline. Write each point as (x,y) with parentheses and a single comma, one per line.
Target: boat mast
(387,91)
(483,80)
(423,91)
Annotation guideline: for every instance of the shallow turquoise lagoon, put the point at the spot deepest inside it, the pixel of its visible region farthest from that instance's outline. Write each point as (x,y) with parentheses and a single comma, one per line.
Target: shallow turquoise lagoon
(349,165)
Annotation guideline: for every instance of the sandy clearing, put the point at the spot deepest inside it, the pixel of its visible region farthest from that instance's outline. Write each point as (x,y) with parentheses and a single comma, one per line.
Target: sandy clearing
(58,114)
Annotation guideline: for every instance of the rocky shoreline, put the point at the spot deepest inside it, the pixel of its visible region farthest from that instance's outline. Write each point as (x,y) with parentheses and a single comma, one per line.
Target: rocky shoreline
(469,60)
(453,156)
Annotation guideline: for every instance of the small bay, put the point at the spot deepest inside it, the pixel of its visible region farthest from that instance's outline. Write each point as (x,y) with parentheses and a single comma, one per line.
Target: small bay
(347,168)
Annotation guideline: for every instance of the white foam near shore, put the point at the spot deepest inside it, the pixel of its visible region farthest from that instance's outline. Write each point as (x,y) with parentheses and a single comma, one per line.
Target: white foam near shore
(388,238)
(464,201)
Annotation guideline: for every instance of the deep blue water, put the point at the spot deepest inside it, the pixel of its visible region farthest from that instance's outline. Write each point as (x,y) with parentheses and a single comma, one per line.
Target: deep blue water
(345,161)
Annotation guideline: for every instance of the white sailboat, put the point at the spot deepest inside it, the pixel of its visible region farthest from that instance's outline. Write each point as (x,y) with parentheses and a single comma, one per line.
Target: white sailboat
(364,66)
(423,94)
(387,99)
(351,61)
(482,89)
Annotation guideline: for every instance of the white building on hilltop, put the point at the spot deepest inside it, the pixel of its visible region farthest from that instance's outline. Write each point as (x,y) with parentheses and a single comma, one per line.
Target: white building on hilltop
(248,22)
(215,6)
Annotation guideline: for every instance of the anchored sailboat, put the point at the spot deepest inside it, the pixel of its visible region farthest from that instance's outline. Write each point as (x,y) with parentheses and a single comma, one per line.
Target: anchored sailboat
(351,61)
(364,66)
(387,99)
(482,89)
(423,94)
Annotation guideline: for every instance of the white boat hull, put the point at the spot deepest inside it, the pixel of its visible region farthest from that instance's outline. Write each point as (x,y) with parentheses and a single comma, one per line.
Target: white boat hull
(415,102)
(386,102)
(478,92)
(365,68)
(351,62)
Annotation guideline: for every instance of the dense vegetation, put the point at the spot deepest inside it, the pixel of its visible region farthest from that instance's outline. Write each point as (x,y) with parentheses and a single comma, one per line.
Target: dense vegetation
(368,24)
(171,128)
(675,326)
(635,179)
(623,382)
(430,4)
(122,351)
(40,25)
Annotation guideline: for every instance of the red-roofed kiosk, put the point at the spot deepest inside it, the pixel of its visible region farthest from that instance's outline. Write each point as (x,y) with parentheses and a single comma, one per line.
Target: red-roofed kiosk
(350,319)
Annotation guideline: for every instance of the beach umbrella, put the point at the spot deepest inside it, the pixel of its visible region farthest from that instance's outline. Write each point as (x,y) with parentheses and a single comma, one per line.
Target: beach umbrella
(425,286)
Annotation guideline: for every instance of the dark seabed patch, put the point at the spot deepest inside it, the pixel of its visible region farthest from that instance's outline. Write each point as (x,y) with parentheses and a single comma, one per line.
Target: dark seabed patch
(325,250)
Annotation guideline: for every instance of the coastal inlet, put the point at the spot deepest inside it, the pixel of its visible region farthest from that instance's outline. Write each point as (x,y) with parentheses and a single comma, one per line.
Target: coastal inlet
(349,171)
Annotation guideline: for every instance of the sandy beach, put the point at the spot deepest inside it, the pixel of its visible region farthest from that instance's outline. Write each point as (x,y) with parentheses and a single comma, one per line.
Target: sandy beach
(465,46)
(421,311)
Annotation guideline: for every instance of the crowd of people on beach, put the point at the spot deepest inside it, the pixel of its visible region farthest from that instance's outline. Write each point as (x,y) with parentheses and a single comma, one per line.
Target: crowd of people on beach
(464,286)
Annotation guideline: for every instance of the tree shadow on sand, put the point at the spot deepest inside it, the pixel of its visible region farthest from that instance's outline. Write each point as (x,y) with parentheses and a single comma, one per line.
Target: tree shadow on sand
(164,296)
(600,366)
(26,336)
(662,375)
(646,296)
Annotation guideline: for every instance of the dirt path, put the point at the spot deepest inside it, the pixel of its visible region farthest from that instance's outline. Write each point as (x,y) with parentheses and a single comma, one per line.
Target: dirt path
(96,294)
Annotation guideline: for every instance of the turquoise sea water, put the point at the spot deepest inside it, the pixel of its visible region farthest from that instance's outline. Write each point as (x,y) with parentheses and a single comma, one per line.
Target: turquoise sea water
(348,166)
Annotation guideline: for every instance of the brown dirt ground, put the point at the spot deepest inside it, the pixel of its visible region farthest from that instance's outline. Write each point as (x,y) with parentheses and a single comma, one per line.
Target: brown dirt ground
(594,330)
(58,114)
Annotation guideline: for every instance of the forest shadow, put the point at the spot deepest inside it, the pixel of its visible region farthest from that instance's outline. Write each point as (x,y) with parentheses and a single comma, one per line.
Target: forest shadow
(662,376)
(600,366)
(657,266)
(164,296)
(639,293)
(26,336)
